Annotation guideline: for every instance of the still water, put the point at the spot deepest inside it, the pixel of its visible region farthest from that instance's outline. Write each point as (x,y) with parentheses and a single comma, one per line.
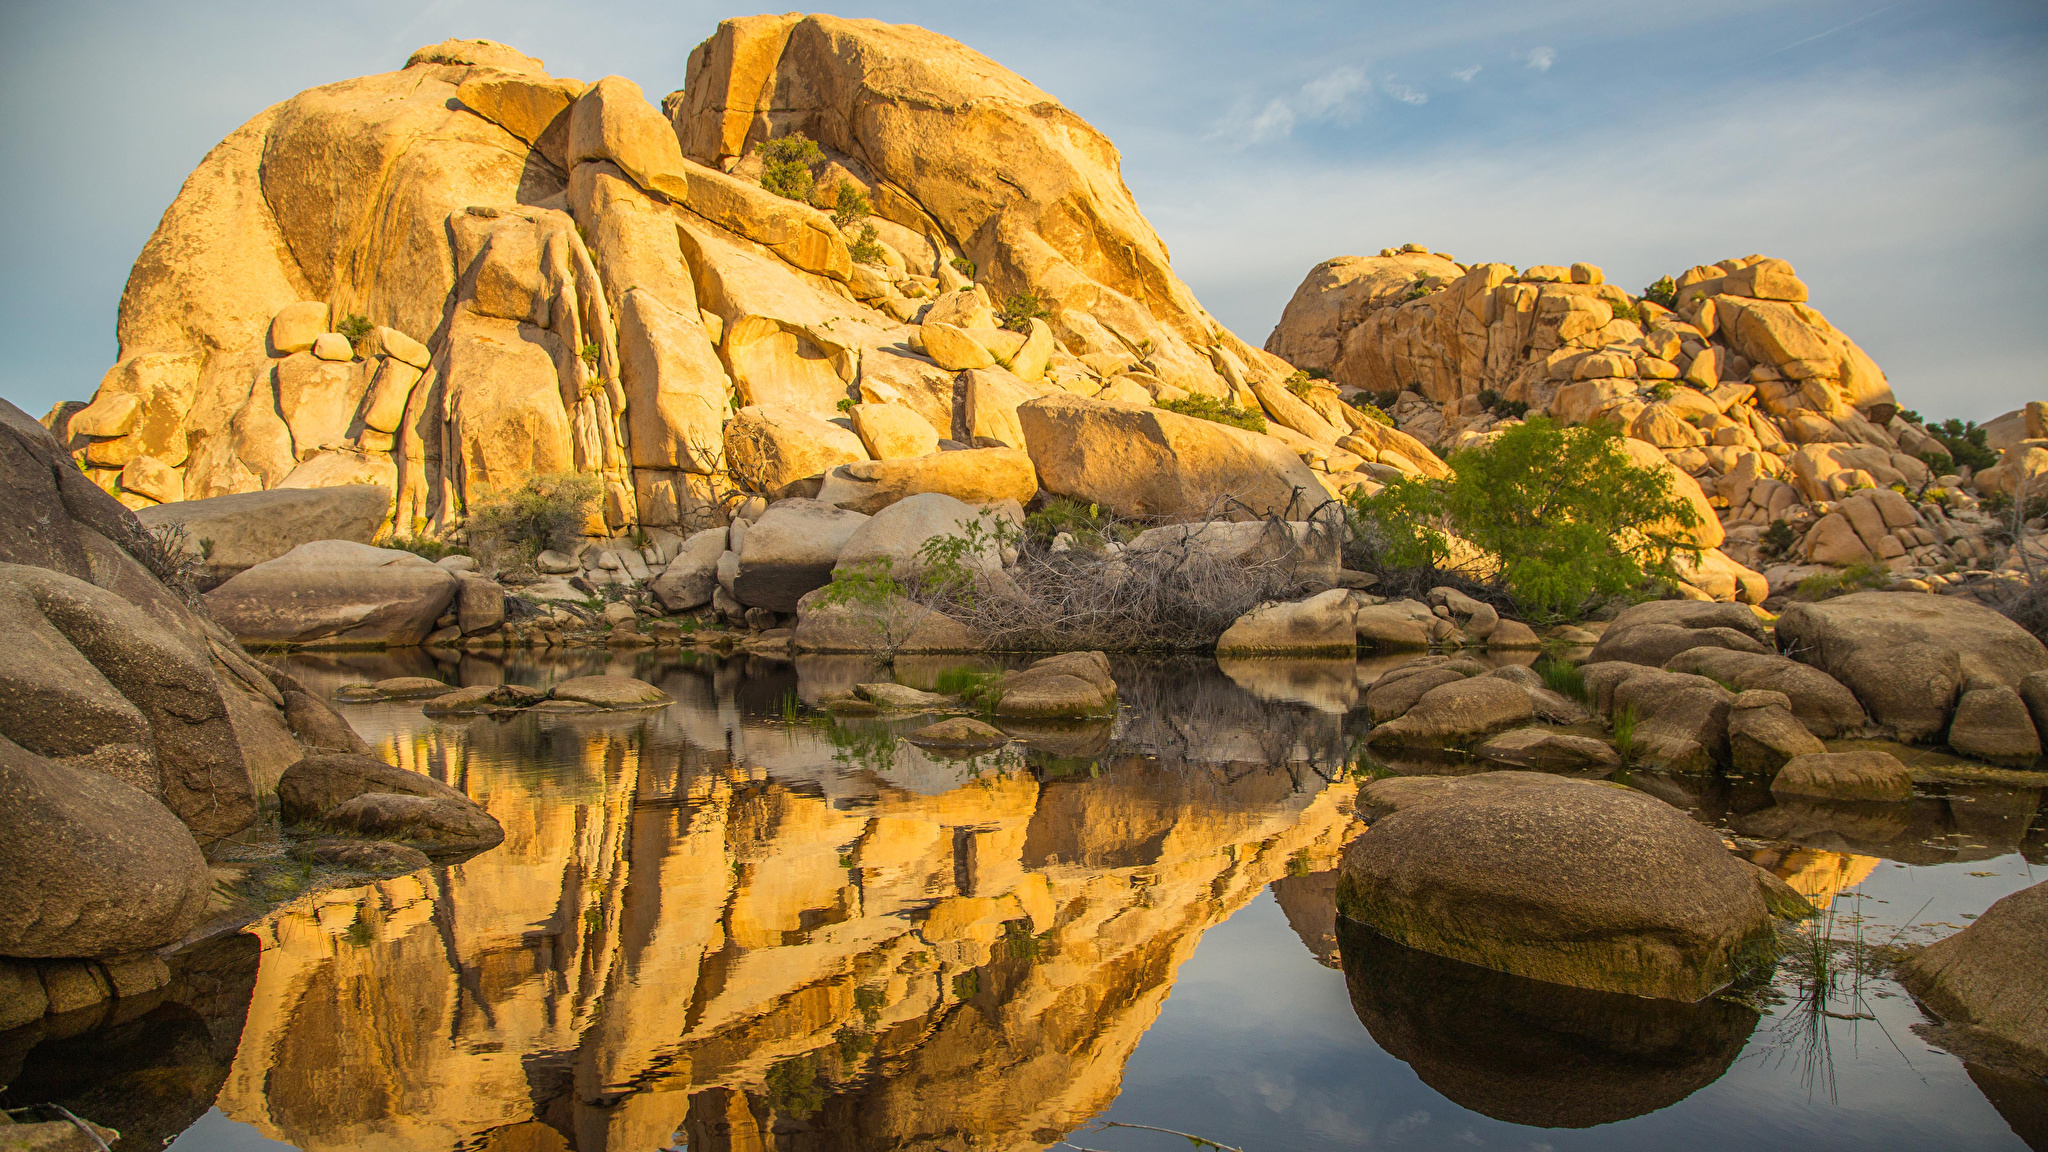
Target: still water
(737,924)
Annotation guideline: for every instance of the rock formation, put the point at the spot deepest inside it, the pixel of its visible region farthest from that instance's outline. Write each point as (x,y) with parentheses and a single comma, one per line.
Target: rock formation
(1736,380)
(451,277)
(133,730)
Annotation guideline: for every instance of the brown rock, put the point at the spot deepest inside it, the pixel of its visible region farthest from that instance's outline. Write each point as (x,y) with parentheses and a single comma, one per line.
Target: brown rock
(1992,977)
(1763,734)
(1073,685)
(1845,776)
(1457,713)
(1992,724)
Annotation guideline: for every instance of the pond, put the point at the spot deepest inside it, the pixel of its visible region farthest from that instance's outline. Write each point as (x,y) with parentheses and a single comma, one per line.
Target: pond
(736,923)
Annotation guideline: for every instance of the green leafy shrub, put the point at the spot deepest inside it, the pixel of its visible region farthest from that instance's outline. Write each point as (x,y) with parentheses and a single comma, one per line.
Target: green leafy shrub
(1857,577)
(1563,511)
(425,546)
(1939,463)
(1629,312)
(1021,309)
(786,164)
(1965,443)
(354,328)
(547,511)
(865,249)
(1087,522)
(1664,292)
(850,206)
(1778,539)
(1209,408)
(1317,373)
(590,354)
(1663,389)
(1374,413)
(1500,406)
(963,266)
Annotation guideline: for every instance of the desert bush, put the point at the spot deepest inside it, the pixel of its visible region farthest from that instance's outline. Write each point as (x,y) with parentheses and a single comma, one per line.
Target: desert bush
(1561,514)
(546,511)
(1087,523)
(1495,403)
(1300,383)
(963,266)
(1778,539)
(786,164)
(1857,577)
(1965,443)
(1219,411)
(850,205)
(1664,292)
(1373,412)
(425,547)
(1664,389)
(1630,312)
(1021,309)
(171,557)
(1178,597)
(354,328)
(865,249)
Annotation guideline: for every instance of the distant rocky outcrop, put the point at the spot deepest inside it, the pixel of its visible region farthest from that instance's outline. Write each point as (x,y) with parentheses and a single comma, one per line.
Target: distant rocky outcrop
(1734,379)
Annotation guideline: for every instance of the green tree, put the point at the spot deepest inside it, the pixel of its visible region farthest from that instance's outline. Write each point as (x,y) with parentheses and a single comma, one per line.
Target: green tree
(1563,512)
(786,164)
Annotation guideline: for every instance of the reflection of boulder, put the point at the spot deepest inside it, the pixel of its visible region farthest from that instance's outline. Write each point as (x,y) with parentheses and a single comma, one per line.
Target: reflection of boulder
(1863,827)
(1325,685)
(1530,1052)
(1310,903)
(2021,1100)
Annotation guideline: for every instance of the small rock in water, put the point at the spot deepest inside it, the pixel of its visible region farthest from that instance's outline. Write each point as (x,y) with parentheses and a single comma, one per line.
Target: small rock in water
(959,732)
(1068,686)
(396,688)
(369,855)
(1541,748)
(901,697)
(1845,776)
(609,692)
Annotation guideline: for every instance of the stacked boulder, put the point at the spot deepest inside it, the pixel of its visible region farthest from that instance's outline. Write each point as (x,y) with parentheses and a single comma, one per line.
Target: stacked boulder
(1773,415)
(450,278)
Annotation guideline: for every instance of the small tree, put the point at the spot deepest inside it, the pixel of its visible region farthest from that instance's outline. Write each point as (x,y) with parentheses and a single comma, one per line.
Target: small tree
(1563,513)
(546,511)
(1020,310)
(850,206)
(786,164)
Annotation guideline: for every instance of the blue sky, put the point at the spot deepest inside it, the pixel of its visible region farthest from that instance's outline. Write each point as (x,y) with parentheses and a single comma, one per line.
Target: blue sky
(1895,152)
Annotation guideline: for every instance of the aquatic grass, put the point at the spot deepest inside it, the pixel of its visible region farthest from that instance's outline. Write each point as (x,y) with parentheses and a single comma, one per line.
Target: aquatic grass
(1566,679)
(1624,724)
(791,707)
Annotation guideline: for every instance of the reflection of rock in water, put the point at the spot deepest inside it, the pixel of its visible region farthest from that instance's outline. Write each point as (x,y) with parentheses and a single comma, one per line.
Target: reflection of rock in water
(2022,1101)
(146,1066)
(1815,873)
(1534,1053)
(774,934)
(1310,904)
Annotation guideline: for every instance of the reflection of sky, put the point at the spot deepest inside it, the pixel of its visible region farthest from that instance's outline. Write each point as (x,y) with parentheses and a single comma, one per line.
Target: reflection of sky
(1258,1047)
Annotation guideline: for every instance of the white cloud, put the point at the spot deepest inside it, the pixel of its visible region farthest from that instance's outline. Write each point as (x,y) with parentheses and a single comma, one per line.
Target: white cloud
(1540,58)
(1403,92)
(1465,75)
(1335,97)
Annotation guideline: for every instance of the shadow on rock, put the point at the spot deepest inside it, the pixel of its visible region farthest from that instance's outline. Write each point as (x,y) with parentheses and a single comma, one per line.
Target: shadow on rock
(1531,1052)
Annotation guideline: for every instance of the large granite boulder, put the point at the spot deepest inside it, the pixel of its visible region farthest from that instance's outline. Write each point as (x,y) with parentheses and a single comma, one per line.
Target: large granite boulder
(237,532)
(692,574)
(895,537)
(1992,977)
(335,593)
(1070,686)
(791,551)
(1146,462)
(1654,632)
(1457,713)
(1822,703)
(1560,880)
(1852,776)
(1320,623)
(977,476)
(1909,656)
(362,795)
(96,682)
(92,866)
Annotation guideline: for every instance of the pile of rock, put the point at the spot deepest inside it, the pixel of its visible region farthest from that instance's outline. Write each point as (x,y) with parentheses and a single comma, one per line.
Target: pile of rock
(1765,408)
(577,694)
(565,278)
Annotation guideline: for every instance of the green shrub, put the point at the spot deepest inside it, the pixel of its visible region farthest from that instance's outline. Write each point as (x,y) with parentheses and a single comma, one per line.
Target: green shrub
(1778,539)
(1965,443)
(1021,309)
(963,266)
(865,249)
(1299,383)
(1663,389)
(1416,291)
(1664,292)
(851,205)
(1939,463)
(355,328)
(1087,522)
(1564,512)
(786,165)
(1209,408)
(1857,577)
(1373,413)
(590,353)
(425,546)
(1500,406)
(1317,373)
(546,511)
